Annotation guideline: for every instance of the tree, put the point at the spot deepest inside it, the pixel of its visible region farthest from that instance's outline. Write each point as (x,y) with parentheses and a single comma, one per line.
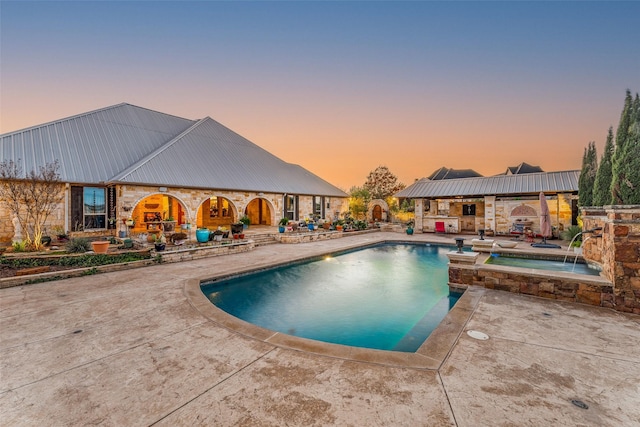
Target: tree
(587,175)
(627,187)
(602,184)
(359,199)
(381,183)
(622,135)
(30,199)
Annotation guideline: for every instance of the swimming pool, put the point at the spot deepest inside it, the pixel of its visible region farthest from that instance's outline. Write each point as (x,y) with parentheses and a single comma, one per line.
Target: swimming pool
(387,297)
(541,264)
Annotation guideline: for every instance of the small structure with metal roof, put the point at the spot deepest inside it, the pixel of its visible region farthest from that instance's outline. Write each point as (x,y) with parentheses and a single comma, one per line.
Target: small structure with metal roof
(500,203)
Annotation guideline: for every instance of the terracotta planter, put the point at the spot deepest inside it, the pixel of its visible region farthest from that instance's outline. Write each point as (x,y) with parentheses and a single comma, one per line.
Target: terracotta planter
(100,247)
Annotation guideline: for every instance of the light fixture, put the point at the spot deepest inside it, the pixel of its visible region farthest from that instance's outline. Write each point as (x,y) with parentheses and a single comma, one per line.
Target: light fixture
(162,189)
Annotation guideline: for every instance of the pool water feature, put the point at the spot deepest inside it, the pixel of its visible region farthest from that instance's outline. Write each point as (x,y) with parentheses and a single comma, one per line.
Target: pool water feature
(541,264)
(386,297)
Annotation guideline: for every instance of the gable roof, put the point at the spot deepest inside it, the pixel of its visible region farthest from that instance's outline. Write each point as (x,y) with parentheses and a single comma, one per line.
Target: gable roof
(522,168)
(447,173)
(499,185)
(129,144)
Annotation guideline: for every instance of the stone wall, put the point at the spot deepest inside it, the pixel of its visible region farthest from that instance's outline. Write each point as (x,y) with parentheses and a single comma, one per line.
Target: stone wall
(583,289)
(8,223)
(306,237)
(617,250)
(616,247)
(192,253)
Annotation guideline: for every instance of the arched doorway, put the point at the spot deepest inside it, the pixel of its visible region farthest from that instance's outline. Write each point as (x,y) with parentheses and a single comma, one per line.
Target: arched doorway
(377,213)
(259,212)
(216,211)
(378,210)
(158,212)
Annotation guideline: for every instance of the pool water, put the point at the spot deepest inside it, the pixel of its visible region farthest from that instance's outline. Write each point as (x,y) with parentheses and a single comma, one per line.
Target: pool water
(540,264)
(387,297)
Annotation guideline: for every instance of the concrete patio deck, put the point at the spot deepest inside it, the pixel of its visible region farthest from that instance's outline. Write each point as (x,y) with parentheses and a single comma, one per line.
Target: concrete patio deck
(135,347)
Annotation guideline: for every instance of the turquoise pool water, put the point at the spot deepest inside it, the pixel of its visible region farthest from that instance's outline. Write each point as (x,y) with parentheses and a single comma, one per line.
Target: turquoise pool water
(540,264)
(387,297)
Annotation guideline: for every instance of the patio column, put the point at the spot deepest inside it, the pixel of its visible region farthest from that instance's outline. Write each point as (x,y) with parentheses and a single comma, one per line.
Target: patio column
(418,215)
(490,212)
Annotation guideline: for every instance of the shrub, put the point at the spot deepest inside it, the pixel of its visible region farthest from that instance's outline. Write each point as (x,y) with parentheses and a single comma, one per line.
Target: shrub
(571,232)
(78,245)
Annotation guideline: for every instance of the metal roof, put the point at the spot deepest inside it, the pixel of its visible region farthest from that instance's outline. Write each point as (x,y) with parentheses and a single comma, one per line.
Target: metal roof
(500,185)
(94,146)
(125,143)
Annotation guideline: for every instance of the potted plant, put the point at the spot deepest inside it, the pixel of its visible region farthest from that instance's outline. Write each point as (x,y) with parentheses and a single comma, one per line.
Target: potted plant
(246,221)
(202,235)
(237,228)
(61,235)
(410,227)
(169,224)
(160,242)
(283,224)
(217,235)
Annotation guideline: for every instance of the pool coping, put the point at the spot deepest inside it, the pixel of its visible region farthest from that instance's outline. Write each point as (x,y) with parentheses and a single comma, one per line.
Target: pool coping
(430,355)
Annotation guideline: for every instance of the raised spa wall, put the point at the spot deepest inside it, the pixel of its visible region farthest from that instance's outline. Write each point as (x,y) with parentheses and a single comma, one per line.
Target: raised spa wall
(616,248)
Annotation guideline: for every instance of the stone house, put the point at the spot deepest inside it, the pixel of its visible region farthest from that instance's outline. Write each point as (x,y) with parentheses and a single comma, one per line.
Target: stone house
(130,165)
(503,204)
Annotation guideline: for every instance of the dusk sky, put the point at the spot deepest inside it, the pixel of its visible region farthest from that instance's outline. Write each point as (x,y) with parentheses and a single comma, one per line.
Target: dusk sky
(339,87)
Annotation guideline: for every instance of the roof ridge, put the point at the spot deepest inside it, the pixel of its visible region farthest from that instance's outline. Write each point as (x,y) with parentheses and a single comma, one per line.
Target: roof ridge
(159,150)
(65,119)
(88,113)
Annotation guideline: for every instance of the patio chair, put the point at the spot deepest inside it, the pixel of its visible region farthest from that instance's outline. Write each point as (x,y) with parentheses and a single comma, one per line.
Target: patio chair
(440,227)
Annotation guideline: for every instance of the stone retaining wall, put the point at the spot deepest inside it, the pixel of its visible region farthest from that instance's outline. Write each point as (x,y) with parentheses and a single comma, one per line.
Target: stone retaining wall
(305,237)
(192,253)
(553,285)
(617,248)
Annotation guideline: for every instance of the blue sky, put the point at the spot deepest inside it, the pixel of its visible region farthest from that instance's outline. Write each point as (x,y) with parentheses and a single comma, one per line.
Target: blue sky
(412,85)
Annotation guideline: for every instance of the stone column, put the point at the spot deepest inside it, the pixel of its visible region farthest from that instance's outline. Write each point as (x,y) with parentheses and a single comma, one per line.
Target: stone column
(490,212)
(419,216)
(622,238)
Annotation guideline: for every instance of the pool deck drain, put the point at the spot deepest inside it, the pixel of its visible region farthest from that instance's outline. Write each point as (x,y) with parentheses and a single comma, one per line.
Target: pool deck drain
(148,356)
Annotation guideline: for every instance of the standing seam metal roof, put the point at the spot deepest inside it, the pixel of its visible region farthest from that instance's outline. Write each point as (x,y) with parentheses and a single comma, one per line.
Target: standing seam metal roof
(501,185)
(125,143)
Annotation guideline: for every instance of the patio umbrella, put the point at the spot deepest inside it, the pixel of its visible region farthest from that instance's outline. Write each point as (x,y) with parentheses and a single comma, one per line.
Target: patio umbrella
(545,224)
(545,218)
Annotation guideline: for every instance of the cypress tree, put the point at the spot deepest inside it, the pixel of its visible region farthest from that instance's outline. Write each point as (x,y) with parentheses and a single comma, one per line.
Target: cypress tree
(621,138)
(628,186)
(587,175)
(602,184)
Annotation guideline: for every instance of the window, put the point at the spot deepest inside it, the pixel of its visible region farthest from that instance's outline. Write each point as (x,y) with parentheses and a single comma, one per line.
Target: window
(469,210)
(291,207)
(92,208)
(318,206)
(219,207)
